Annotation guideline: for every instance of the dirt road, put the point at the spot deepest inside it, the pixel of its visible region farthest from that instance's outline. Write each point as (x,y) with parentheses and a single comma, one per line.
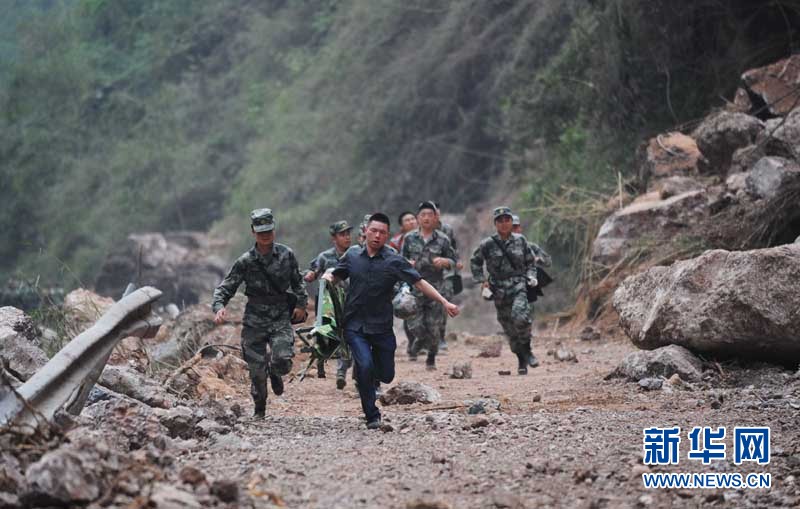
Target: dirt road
(563,437)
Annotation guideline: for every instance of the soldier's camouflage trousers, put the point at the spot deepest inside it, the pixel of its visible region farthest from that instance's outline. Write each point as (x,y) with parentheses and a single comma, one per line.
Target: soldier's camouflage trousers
(514,315)
(267,348)
(427,326)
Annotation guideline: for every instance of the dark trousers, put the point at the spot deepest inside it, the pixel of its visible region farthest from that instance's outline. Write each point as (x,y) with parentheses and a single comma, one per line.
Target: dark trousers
(373,358)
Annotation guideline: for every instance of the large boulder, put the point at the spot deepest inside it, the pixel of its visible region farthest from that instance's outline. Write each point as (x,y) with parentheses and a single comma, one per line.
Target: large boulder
(722,134)
(648,218)
(787,131)
(769,175)
(774,86)
(82,308)
(724,303)
(18,350)
(661,362)
(180,264)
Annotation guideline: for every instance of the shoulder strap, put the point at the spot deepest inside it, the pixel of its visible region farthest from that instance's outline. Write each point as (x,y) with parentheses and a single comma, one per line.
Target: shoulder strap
(505,253)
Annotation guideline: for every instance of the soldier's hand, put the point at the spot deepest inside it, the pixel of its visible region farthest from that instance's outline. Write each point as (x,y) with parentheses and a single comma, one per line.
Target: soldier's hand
(310,276)
(413,263)
(328,276)
(299,314)
(221,316)
(452,309)
(441,263)
(485,284)
(459,265)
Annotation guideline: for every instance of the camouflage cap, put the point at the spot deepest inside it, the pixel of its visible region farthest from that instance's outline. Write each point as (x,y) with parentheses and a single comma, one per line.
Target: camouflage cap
(262,220)
(515,220)
(502,211)
(339,227)
(427,205)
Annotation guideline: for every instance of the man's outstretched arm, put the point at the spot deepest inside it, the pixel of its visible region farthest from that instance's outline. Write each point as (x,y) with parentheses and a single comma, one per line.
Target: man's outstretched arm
(431,292)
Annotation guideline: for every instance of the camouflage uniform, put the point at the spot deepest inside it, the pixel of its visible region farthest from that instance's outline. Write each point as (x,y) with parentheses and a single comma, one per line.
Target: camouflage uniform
(324,261)
(267,335)
(508,285)
(428,325)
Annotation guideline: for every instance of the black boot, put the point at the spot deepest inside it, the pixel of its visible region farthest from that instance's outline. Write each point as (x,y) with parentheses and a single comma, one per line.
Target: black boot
(261,410)
(522,364)
(277,384)
(430,362)
(320,370)
(532,360)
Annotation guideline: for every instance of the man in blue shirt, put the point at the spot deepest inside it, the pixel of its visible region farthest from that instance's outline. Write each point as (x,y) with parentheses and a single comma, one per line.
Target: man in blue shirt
(373,271)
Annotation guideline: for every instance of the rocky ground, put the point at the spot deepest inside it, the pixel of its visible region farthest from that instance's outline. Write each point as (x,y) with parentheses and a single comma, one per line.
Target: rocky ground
(563,436)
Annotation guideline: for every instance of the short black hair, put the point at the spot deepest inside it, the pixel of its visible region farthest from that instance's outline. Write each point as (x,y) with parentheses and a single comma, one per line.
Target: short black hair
(381,218)
(426,205)
(402,215)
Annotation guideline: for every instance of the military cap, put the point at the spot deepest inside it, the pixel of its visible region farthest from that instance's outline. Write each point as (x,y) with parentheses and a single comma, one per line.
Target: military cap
(515,220)
(502,211)
(339,227)
(262,220)
(428,204)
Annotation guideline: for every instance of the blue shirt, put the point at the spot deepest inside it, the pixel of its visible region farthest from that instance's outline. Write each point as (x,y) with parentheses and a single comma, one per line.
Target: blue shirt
(368,307)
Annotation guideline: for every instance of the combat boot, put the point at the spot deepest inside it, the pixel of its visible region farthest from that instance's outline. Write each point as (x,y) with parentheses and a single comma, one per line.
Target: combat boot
(341,379)
(277,384)
(430,362)
(260,411)
(321,370)
(532,360)
(522,364)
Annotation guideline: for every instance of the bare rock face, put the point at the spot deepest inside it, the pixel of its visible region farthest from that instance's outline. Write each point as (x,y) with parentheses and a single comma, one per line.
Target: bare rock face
(406,393)
(647,218)
(769,175)
(775,85)
(17,349)
(721,134)
(661,362)
(724,303)
(180,264)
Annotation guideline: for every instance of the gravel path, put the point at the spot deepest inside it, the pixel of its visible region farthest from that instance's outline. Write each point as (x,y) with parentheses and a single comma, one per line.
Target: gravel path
(563,437)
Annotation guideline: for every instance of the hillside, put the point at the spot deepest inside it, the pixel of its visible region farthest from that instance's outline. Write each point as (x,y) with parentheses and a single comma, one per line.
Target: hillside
(130,116)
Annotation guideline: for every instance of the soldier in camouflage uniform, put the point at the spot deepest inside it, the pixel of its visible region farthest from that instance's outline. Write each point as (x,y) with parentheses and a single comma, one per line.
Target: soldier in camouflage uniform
(268,271)
(430,252)
(340,236)
(508,281)
(540,255)
(451,273)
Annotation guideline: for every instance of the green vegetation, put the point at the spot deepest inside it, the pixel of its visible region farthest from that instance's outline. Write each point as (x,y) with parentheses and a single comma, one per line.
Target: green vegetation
(128,115)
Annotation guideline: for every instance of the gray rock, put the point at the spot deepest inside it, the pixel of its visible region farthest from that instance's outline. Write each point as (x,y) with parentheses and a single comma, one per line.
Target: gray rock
(461,371)
(725,303)
(406,393)
(769,175)
(208,426)
(482,406)
(661,362)
(787,130)
(564,354)
(721,134)
(179,420)
(651,384)
(17,348)
(648,217)
(131,383)
(62,477)
(165,496)
(11,478)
